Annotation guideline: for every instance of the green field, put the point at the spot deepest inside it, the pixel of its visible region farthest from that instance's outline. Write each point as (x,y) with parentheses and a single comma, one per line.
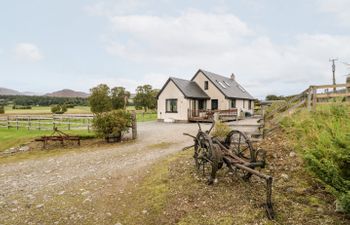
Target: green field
(141,116)
(12,137)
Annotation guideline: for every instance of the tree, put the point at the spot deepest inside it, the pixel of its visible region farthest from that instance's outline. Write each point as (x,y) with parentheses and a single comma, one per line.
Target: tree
(274,97)
(100,100)
(119,97)
(146,97)
(112,124)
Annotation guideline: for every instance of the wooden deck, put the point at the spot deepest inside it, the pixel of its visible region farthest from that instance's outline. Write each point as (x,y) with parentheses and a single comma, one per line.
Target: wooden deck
(208,115)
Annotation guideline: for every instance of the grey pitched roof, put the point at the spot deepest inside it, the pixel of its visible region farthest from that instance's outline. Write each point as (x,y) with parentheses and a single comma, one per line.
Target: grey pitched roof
(190,89)
(229,87)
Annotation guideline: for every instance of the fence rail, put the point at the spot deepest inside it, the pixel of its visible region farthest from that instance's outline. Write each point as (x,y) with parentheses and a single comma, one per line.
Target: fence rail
(47,122)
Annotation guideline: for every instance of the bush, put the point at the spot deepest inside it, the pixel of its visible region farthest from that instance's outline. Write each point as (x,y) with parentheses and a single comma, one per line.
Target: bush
(112,124)
(2,109)
(221,129)
(58,109)
(323,138)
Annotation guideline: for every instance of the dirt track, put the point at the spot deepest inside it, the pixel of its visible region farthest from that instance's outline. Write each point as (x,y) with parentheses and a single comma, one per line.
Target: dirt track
(32,184)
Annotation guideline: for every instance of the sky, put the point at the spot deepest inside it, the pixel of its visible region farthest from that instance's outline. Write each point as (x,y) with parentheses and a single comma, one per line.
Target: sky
(272,47)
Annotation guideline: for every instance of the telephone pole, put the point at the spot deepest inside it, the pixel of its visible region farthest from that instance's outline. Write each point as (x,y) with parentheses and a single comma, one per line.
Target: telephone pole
(333,70)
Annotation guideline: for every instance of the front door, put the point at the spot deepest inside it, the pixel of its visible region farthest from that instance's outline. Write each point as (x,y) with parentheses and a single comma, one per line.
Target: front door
(214,104)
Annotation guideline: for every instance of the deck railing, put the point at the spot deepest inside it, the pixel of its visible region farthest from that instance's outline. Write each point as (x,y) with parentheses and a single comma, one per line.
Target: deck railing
(208,114)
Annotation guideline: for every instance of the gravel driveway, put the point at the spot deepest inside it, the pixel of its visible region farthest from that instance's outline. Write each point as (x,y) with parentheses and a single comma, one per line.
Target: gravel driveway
(31,183)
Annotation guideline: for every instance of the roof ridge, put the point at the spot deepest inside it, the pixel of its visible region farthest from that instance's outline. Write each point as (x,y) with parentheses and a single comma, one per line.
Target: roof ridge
(179,79)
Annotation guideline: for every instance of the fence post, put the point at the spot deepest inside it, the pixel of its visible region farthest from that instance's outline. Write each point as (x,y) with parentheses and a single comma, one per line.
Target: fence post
(133,125)
(8,122)
(68,123)
(29,123)
(309,93)
(314,98)
(347,88)
(88,125)
(39,123)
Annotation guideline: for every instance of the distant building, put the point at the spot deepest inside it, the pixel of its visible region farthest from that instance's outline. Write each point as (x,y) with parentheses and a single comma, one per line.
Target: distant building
(181,99)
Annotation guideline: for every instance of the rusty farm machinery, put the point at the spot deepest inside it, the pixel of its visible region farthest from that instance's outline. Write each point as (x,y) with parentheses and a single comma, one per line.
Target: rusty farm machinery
(57,136)
(236,151)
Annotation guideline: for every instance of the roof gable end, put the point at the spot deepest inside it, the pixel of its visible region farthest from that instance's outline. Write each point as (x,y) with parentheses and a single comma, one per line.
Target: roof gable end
(228,87)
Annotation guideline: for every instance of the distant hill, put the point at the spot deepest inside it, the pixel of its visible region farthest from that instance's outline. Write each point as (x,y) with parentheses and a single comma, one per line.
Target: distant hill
(67,93)
(6,91)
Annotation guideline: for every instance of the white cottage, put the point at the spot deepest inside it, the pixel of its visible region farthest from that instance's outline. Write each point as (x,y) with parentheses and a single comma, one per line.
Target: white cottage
(183,100)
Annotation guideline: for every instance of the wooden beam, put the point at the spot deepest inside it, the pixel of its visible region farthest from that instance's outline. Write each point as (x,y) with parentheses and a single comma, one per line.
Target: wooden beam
(332,95)
(330,86)
(314,98)
(309,100)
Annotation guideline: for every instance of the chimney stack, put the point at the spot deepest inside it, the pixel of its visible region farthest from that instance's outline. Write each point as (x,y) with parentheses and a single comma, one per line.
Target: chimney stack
(233,77)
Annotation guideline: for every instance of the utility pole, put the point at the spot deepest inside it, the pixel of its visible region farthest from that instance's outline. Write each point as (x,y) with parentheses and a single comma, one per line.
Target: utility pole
(333,70)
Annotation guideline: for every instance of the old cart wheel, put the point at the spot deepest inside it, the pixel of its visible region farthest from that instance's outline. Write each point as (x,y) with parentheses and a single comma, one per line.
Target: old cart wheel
(240,145)
(206,156)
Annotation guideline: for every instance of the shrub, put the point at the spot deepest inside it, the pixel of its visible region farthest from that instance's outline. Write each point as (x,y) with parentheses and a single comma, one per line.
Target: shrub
(2,109)
(21,107)
(221,129)
(112,124)
(323,138)
(59,109)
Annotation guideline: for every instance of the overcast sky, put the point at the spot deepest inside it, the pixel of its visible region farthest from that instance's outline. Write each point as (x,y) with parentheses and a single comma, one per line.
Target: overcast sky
(273,47)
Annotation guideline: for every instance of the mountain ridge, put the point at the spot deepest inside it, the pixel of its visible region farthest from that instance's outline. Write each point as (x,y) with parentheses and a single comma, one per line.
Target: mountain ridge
(64,93)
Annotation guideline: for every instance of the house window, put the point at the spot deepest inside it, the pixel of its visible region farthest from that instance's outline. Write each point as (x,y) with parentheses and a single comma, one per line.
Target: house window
(171,105)
(214,104)
(250,104)
(233,103)
(202,104)
(206,85)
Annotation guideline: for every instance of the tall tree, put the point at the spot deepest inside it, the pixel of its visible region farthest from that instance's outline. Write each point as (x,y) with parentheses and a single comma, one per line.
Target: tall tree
(100,100)
(146,97)
(119,97)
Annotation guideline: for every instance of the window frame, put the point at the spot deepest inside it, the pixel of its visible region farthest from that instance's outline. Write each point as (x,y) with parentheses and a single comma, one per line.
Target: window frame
(171,108)
(233,106)
(217,104)
(250,104)
(206,85)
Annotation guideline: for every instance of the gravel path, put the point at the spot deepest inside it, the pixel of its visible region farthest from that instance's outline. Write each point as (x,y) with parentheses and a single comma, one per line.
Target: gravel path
(32,182)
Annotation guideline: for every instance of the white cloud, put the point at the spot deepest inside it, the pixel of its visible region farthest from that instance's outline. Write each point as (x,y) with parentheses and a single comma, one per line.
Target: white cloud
(28,52)
(156,80)
(114,7)
(223,43)
(340,8)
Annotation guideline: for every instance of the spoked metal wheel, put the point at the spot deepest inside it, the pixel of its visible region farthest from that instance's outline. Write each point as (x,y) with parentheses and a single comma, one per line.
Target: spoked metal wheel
(206,156)
(241,146)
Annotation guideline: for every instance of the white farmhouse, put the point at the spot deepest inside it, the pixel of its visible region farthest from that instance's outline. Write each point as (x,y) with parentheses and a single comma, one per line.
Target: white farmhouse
(196,100)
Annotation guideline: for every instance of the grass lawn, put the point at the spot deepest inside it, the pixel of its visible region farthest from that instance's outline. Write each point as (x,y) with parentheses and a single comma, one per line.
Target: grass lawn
(12,137)
(144,117)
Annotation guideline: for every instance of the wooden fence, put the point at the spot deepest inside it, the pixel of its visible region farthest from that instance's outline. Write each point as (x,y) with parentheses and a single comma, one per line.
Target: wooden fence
(315,97)
(311,97)
(47,122)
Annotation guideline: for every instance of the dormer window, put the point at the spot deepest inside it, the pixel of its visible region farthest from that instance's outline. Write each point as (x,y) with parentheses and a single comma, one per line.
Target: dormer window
(206,85)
